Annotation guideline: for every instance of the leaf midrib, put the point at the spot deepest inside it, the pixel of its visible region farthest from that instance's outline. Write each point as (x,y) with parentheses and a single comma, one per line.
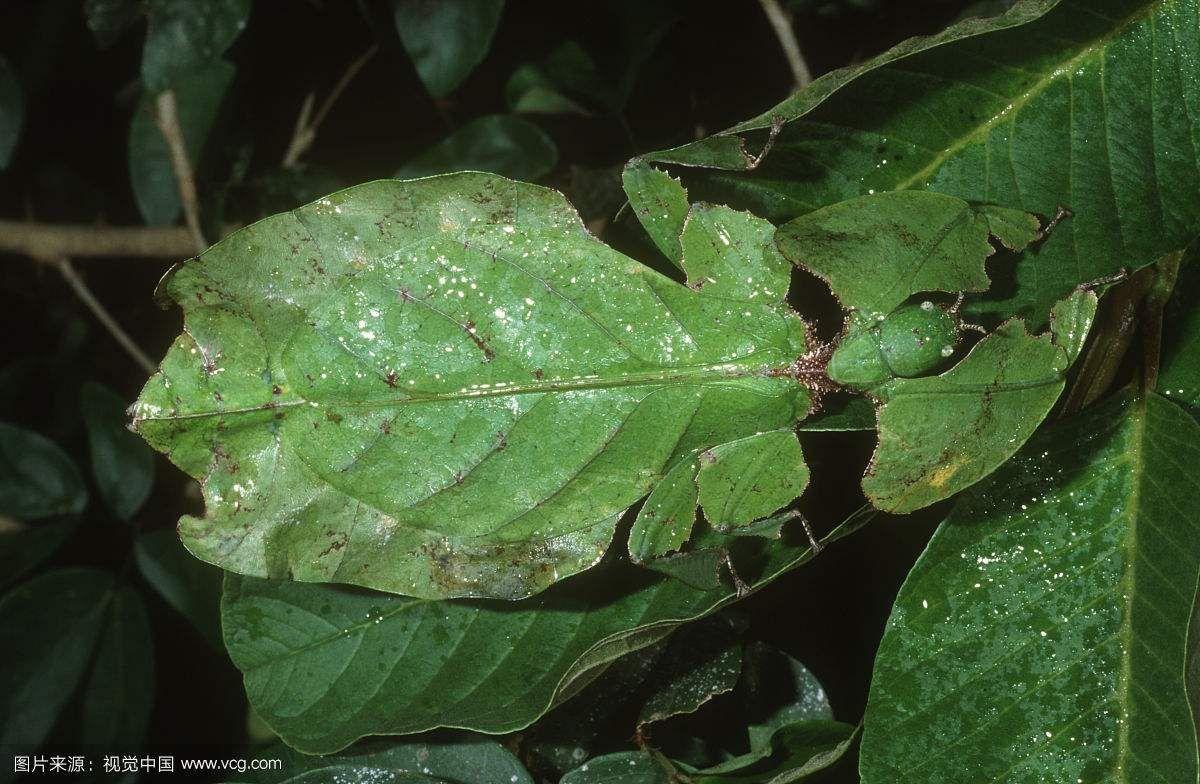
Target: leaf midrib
(1039,86)
(718,372)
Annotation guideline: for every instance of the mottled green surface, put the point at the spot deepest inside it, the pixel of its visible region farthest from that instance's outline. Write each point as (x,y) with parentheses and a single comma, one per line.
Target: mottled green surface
(1043,634)
(446,40)
(1087,104)
(746,480)
(877,251)
(665,520)
(660,203)
(447,387)
(325,665)
(186,36)
(941,434)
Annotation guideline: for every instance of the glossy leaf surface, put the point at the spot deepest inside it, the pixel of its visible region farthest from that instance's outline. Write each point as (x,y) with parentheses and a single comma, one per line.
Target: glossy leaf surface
(447,387)
(446,40)
(746,480)
(1085,105)
(661,205)
(448,759)
(1043,634)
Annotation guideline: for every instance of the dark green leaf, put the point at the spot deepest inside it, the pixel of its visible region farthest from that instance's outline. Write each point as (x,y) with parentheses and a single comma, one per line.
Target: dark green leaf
(499,143)
(37,479)
(1042,636)
(118,692)
(190,586)
(446,40)
(700,661)
(326,665)
(122,464)
(448,387)
(185,37)
(1052,103)
(198,96)
(451,759)
(109,19)
(1179,376)
(531,91)
(23,547)
(75,636)
(12,112)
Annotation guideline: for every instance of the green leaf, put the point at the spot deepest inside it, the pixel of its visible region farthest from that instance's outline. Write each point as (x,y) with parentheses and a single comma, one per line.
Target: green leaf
(37,479)
(1052,103)
(452,759)
(941,434)
(80,633)
(877,251)
(841,414)
(12,112)
(623,767)
(661,205)
(118,692)
(746,480)
(325,665)
(122,465)
(24,547)
(1042,635)
(198,97)
(1179,374)
(185,37)
(109,19)
(446,40)
(190,586)
(732,254)
(665,520)
(499,143)
(700,661)
(445,387)
(530,90)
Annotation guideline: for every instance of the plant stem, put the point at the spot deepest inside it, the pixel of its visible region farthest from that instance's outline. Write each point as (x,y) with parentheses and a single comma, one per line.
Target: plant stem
(76,282)
(47,241)
(167,118)
(781,23)
(305,132)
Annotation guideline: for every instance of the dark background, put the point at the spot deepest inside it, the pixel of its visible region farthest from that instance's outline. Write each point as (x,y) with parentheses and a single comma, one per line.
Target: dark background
(718,64)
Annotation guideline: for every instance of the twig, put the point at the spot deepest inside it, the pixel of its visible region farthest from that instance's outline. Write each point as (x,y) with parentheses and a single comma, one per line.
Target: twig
(305,132)
(76,282)
(43,241)
(781,23)
(167,118)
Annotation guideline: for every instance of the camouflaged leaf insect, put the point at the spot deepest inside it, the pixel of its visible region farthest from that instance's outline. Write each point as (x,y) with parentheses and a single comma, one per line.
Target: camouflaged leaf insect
(448,388)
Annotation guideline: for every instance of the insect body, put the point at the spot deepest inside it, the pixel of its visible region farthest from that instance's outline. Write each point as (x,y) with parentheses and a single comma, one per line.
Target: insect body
(913,340)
